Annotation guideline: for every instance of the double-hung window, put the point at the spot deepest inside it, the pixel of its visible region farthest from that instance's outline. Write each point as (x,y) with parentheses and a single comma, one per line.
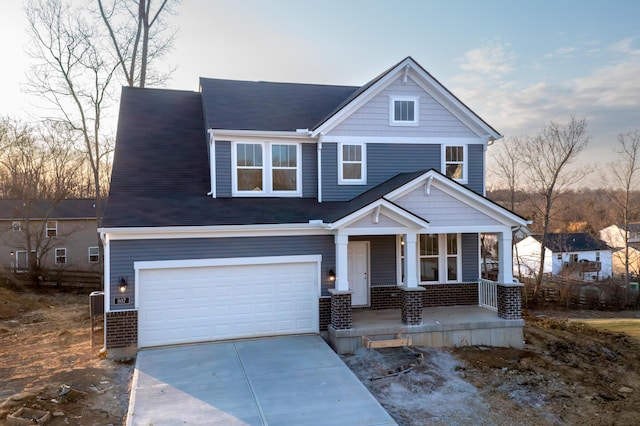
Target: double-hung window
(16,226)
(439,258)
(52,228)
(455,163)
(94,254)
(266,168)
(352,164)
(404,110)
(61,256)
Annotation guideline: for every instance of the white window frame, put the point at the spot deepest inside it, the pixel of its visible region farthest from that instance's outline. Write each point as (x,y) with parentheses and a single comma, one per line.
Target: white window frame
(465,161)
(363,164)
(16,226)
(54,229)
(267,169)
(56,256)
(442,260)
(97,254)
(416,111)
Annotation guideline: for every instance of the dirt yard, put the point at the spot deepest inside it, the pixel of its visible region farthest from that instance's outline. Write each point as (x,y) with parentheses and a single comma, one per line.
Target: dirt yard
(47,363)
(568,373)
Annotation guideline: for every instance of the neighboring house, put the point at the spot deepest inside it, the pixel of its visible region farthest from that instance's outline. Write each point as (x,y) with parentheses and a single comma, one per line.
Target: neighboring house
(256,209)
(577,255)
(63,234)
(614,236)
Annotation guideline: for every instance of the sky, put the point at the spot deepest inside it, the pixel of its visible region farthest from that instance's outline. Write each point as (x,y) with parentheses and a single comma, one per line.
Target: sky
(518,64)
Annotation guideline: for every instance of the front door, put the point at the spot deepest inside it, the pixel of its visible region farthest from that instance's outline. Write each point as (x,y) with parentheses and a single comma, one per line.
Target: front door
(358,258)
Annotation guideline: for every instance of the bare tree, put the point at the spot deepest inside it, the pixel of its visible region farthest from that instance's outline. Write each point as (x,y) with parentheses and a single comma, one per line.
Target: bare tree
(624,180)
(548,172)
(73,74)
(139,36)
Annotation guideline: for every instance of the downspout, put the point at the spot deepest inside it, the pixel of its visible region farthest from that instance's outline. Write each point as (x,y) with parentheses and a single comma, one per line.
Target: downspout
(212,163)
(320,138)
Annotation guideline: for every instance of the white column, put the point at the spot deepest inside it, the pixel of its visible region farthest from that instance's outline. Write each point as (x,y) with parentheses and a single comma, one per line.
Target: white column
(505,257)
(342,265)
(410,260)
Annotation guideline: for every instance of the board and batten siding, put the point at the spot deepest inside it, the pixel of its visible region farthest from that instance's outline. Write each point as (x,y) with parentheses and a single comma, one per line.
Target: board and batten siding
(470,257)
(309,170)
(475,168)
(125,252)
(373,117)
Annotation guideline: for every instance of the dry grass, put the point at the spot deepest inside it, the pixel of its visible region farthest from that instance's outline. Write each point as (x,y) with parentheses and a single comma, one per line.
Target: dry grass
(629,326)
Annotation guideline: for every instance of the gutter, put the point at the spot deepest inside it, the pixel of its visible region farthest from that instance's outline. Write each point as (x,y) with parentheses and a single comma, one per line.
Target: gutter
(320,139)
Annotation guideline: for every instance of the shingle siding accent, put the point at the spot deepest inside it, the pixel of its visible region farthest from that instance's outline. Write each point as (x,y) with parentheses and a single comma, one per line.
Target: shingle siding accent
(121,329)
(309,170)
(223,169)
(125,252)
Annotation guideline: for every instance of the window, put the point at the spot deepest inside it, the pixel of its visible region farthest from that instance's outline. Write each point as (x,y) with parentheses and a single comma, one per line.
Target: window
(573,258)
(61,256)
(16,226)
(352,164)
(559,256)
(52,228)
(455,166)
(94,254)
(266,168)
(597,256)
(403,111)
(439,257)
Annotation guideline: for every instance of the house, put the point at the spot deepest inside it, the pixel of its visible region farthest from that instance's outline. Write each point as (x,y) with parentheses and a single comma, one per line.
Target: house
(63,234)
(256,209)
(577,255)
(614,236)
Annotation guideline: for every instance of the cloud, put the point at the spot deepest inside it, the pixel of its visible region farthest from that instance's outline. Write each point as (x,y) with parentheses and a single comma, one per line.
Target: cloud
(493,59)
(563,51)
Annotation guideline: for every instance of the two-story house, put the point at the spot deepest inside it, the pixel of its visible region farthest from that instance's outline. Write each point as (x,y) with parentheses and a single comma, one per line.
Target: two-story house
(257,209)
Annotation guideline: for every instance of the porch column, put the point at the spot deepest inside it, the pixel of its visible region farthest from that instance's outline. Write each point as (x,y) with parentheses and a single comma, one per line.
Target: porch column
(342,265)
(505,257)
(410,260)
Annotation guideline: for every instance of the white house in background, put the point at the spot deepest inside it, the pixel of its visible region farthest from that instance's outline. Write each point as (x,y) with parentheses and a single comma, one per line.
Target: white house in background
(614,235)
(578,255)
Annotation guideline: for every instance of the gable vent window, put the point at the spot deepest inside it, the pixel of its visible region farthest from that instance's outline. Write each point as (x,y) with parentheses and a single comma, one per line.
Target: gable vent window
(263,169)
(455,162)
(403,111)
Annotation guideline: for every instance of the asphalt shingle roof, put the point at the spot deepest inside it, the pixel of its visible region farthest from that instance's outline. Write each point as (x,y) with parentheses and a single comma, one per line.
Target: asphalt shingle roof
(42,209)
(560,242)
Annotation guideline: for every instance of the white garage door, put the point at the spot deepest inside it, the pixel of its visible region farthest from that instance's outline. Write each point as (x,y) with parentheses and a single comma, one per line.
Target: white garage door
(197,304)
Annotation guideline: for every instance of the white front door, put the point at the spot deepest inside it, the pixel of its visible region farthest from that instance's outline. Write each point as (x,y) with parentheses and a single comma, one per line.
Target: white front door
(358,259)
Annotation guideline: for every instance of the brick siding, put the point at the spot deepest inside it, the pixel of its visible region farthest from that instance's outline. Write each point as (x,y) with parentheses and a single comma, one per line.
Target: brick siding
(450,294)
(341,317)
(122,329)
(412,307)
(509,302)
(324,312)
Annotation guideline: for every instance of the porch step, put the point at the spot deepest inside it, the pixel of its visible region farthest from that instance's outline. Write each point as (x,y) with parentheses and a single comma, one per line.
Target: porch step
(386,343)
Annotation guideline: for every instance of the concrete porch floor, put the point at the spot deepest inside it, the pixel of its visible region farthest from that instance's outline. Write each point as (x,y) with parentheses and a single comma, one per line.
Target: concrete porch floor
(446,326)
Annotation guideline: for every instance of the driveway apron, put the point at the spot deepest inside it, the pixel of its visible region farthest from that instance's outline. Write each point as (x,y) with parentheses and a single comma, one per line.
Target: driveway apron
(292,380)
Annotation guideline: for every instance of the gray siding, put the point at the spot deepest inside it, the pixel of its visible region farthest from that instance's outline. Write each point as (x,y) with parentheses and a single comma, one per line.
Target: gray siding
(373,117)
(223,169)
(124,253)
(309,170)
(470,258)
(475,169)
(382,257)
(383,162)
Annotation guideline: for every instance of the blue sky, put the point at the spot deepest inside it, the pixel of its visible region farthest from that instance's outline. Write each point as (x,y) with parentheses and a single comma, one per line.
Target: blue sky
(519,64)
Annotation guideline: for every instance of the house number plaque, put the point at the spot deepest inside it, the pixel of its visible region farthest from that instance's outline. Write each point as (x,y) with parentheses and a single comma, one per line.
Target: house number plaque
(120,300)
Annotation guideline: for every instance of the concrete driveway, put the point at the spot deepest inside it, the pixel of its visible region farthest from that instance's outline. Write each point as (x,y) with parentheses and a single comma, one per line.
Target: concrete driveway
(292,380)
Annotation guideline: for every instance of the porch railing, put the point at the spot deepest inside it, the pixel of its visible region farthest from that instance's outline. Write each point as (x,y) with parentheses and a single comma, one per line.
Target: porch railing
(488,294)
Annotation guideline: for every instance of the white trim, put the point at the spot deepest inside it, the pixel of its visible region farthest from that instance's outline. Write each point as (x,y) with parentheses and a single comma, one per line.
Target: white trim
(107,277)
(230,261)
(465,161)
(442,257)
(367,244)
(55,256)
(416,110)
(212,164)
(397,214)
(405,140)
(363,165)
(89,254)
(47,228)
(267,169)
(226,134)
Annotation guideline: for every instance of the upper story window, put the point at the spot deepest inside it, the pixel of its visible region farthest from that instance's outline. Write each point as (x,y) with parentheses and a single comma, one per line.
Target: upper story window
(16,226)
(455,162)
(61,256)
(404,110)
(352,164)
(266,168)
(52,228)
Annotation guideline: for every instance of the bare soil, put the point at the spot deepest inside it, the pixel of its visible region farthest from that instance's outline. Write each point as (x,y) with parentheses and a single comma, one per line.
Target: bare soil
(47,362)
(568,373)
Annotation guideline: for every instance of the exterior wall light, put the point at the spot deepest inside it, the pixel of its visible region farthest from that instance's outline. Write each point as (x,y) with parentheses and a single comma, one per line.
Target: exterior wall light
(332,275)
(123,285)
